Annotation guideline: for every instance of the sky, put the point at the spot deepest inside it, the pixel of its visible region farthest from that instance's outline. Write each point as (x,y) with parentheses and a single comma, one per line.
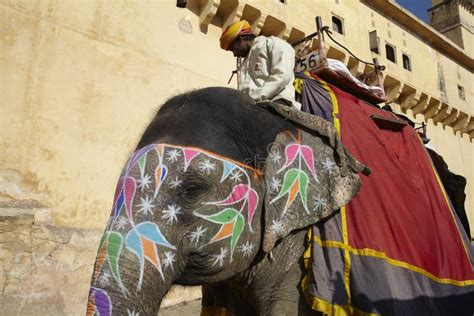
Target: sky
(417,7)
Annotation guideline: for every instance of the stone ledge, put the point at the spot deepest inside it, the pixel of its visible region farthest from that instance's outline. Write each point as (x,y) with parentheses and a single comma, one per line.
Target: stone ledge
(36,215)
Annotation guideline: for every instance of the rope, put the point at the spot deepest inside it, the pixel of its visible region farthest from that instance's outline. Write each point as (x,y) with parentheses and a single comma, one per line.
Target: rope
(328,32)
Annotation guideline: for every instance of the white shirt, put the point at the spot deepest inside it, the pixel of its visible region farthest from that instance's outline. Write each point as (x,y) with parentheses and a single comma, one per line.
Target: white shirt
(267,72)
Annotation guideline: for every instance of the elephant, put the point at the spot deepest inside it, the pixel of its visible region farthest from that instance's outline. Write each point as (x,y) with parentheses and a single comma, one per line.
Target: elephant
(219,192)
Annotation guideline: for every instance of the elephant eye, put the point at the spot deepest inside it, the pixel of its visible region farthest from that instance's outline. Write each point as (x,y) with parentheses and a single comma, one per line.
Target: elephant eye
(192,190)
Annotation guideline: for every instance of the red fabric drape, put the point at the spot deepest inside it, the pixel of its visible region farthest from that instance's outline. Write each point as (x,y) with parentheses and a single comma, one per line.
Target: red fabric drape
(401,209)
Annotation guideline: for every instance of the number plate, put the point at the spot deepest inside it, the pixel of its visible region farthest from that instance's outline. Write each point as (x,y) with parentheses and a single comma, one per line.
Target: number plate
(308,62)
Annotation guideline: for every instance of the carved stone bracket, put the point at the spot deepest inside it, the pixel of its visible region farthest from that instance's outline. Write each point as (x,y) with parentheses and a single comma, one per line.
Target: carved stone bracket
(461,122)
(451,118)
(443,112)
(469,128)
(434,106)
(421,105)
(208,12)
(393,88)
(409,96)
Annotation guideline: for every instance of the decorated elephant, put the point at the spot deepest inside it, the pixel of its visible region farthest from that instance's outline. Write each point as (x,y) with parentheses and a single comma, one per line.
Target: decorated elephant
(219,192)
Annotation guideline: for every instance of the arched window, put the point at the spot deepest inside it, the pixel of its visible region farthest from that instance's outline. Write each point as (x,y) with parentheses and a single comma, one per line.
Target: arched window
(337,25)
(406,62)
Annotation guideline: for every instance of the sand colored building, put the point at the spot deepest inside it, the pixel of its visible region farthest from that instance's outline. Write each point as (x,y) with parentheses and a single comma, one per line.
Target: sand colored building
(80,80)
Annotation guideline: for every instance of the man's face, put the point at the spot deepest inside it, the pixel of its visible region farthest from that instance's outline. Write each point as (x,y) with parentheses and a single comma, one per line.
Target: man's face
(240,48)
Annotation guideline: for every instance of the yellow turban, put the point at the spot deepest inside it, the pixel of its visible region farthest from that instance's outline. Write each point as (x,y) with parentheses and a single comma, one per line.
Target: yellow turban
(233,31)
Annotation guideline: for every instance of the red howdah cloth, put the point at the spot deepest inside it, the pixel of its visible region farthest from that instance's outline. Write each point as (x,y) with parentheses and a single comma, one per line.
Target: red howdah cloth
(401,209)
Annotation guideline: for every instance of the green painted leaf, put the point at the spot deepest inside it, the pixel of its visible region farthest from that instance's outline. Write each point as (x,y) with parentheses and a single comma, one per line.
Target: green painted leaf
(114,249)
(238,228)
(290,178)
(142,162)
(223,217)
(303,181)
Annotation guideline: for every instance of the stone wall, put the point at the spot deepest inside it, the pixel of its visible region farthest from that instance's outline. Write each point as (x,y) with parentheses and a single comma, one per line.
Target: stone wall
(45,269)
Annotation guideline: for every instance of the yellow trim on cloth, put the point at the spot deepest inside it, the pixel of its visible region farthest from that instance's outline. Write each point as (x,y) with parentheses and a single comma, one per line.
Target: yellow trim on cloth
(335,107)
(446,199)
(345,235)
(318,304)
(366,252)
(298,84)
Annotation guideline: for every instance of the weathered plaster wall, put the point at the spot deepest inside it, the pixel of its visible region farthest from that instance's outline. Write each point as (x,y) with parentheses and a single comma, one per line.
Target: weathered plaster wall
(79,82)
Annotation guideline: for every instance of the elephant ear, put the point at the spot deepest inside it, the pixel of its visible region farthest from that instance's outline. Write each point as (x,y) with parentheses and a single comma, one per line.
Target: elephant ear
(304,184)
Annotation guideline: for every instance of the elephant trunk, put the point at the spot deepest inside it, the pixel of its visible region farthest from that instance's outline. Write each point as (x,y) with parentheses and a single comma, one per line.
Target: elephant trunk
(130,284)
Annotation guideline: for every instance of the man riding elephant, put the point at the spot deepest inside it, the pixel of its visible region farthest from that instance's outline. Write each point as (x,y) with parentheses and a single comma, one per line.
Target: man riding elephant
(267,67)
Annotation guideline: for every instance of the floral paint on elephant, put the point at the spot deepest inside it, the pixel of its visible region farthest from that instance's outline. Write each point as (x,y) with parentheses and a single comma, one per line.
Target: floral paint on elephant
(301,170)
(298,157)
(157,169)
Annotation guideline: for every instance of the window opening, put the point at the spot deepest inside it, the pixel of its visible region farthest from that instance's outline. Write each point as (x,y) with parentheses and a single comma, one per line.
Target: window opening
(390,53)
(461,94)
(406,62)
(337,25)
(374,42)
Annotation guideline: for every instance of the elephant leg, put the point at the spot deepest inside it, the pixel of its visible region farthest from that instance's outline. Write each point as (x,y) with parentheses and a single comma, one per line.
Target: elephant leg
(220,298)
(289,298)
(271,287)
(278,284)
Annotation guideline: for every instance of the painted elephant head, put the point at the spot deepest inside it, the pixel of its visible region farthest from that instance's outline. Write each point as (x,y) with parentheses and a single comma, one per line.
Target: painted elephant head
(214,181)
